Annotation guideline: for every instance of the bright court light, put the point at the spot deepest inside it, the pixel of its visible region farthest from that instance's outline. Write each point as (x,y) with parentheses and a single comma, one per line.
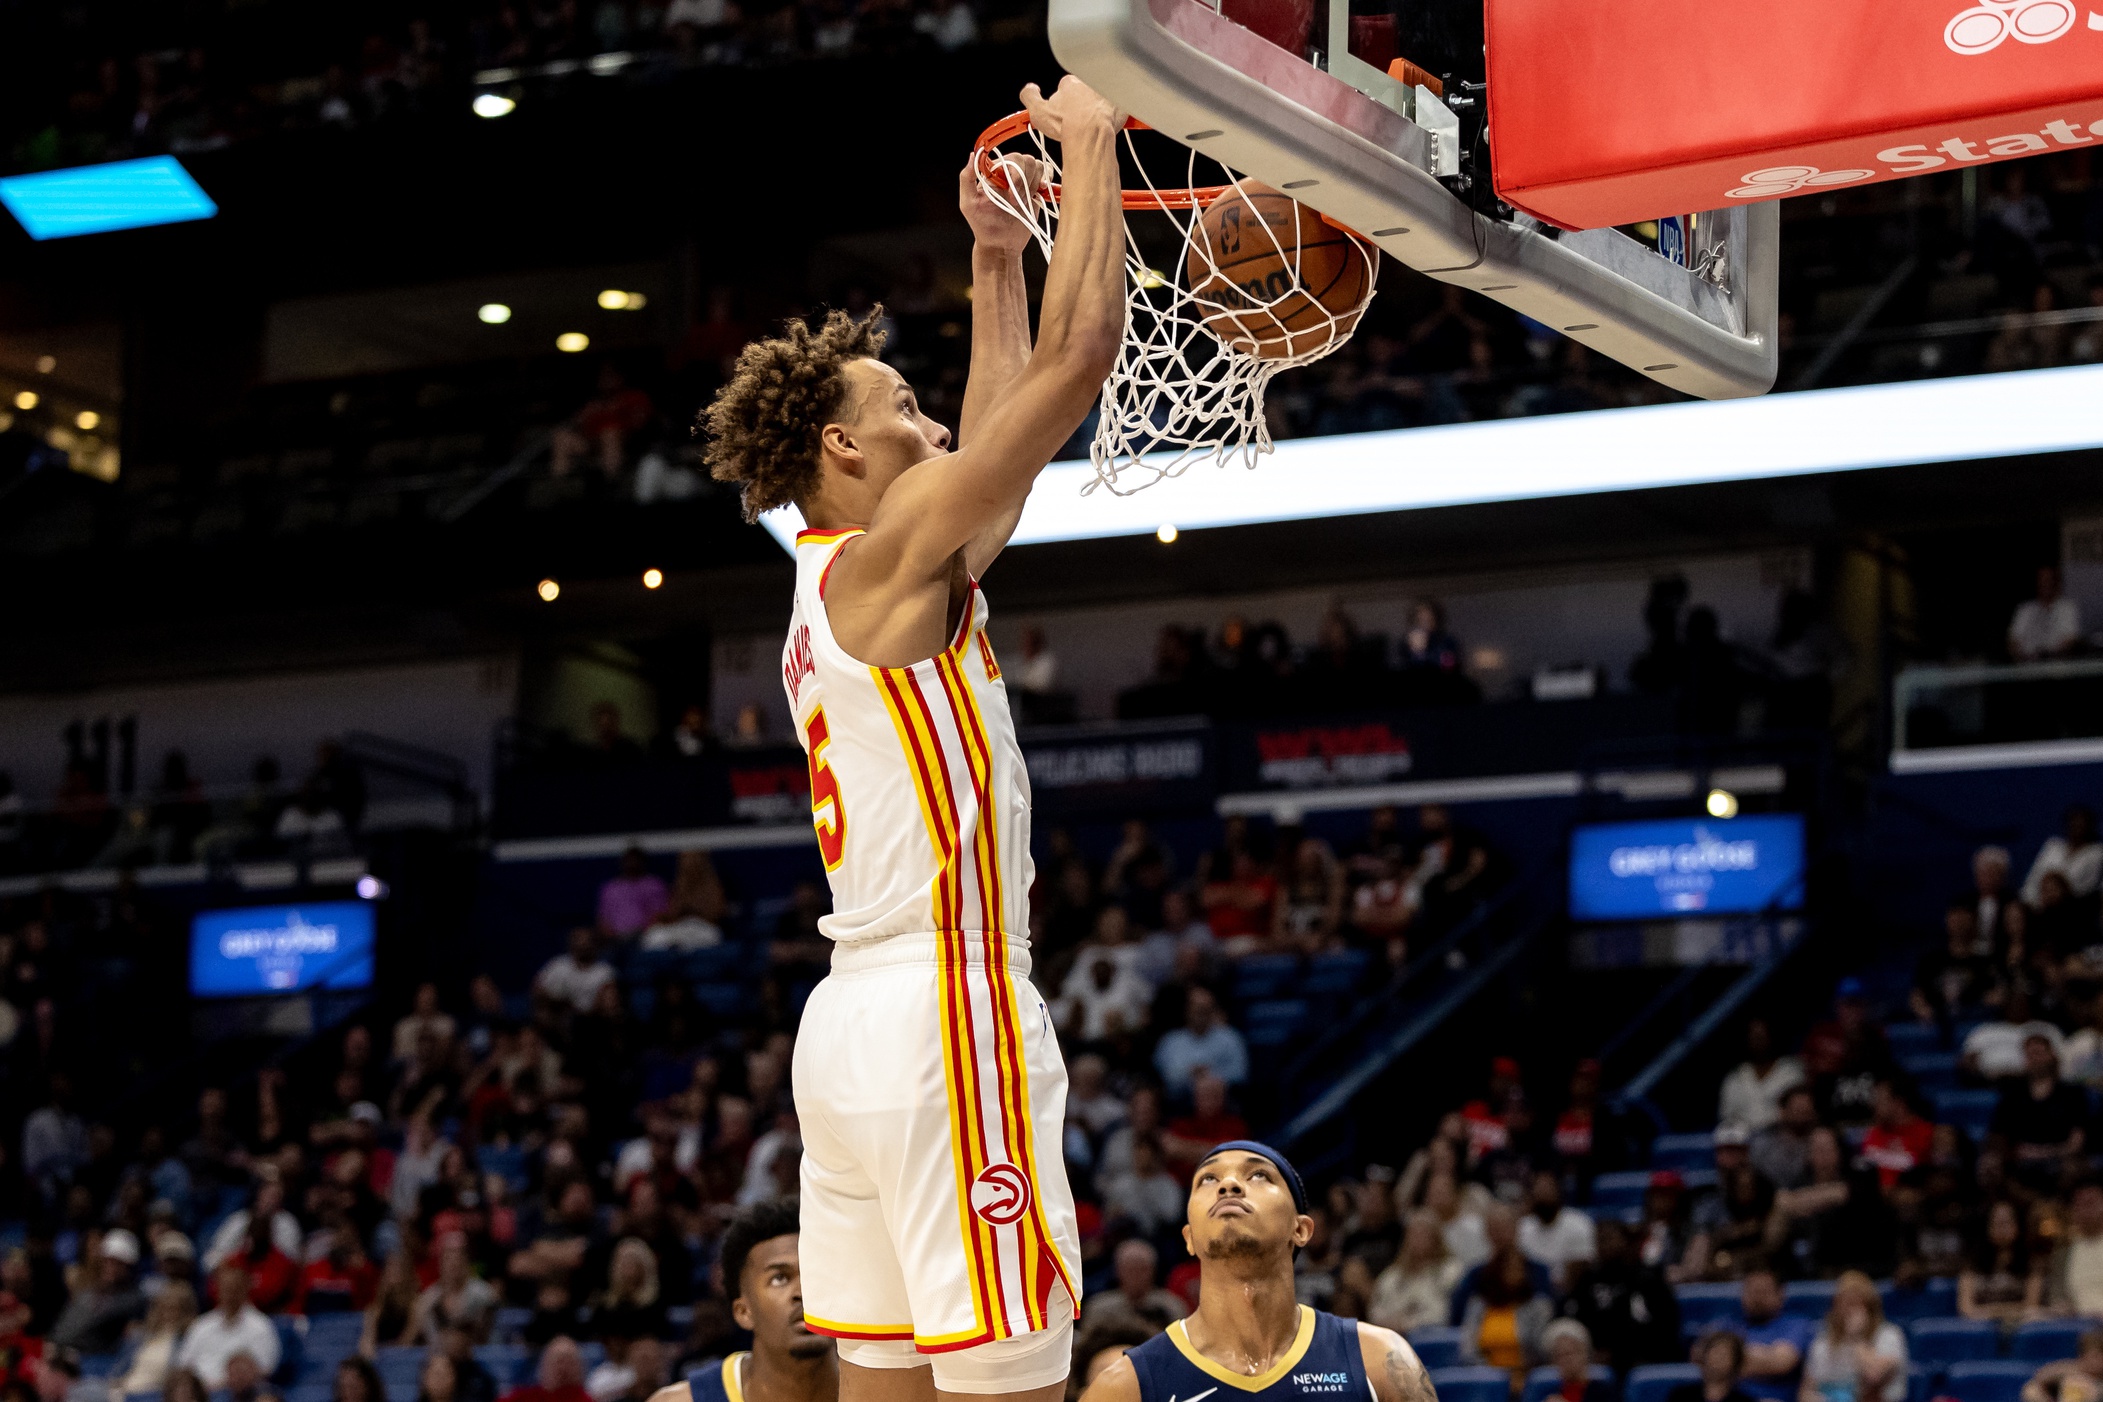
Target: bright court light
(26,400)
(613,299)
(1722,803)
(549,591)
(652,578)
(87,420)
(493,105)
(493,313)
(1167,534)
(570,342)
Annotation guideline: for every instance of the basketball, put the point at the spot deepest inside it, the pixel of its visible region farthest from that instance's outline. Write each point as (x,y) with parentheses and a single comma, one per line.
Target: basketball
(1286,282)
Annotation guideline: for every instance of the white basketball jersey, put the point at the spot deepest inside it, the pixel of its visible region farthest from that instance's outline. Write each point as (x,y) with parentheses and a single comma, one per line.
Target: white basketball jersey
(918,789)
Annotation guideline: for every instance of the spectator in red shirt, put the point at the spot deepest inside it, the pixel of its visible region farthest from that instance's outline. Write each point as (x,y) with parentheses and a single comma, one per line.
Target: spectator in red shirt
(344,1279)
(1191,1137)
(606,424)
(1898,1139)
(561,1375)
(1239,906)
(275,1275)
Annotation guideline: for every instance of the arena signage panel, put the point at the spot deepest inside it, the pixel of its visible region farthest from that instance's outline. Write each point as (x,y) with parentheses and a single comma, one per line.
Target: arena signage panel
(258,951)
(1601,115)
(58,204)
(1687,866)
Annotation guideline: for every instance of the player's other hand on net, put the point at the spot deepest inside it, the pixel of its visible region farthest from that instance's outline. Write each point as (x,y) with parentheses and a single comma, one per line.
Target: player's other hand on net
(1071,109)
(1022,180)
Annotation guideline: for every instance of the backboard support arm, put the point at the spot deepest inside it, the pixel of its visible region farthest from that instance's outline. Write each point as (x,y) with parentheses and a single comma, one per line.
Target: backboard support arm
(1373,164)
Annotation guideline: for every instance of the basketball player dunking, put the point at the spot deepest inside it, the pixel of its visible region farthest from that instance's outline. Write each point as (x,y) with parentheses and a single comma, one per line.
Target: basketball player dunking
(764,1280)
(1246,1217)
(939,1245)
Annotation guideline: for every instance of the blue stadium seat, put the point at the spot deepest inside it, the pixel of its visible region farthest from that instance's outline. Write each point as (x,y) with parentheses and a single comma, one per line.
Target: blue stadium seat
(1650,1384)
(1471,1384)
(1265,976)
(1618,1190)
(1931,1071)
(1955,1340)
(1683,1151)
(509,1164)
(312,1392)
(594,1354)
(402,1392)
(713,965)
(1909,1037)
(507,1363)
(2043,1340)
(1701,1305)
(335,1334)
(97,1366)
(1902,1307)
(645,966)
(1541,1383)
(1994,1380)
(399,1365)
(1969,1110)
(723,1000)
(1437,1346)
(1809,1298)
(511,1319)
(1335,973)
(1273,1021)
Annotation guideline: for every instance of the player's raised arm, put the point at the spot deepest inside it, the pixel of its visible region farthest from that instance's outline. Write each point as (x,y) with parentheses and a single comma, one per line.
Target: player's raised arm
(1392,1366)
(943,505)
(1000,325)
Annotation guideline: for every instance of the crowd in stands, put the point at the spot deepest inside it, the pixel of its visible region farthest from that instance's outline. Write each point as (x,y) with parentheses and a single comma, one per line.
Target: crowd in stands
(521,1194)
(98,818)
(1940,1164)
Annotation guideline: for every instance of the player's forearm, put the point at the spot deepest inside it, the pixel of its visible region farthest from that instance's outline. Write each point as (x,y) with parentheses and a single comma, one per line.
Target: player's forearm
(1084,288)
(1000,333)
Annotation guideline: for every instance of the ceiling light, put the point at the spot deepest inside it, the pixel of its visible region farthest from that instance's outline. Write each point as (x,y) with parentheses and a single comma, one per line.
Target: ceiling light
(652,578)
(1722,803)
(86,420)
(27,399)
(1167,534)
(493,105)
(493,313)
(613,299)
(549,591)
(570,342)
(7,421)
(46,364)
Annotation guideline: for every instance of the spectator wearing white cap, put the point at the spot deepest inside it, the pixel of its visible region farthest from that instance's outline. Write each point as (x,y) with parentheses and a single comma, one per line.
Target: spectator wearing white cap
(175,1263)
(235,1326)
(95,1319)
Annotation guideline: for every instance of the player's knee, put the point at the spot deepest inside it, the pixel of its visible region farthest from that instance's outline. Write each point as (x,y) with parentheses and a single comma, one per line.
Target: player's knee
(1020,1364)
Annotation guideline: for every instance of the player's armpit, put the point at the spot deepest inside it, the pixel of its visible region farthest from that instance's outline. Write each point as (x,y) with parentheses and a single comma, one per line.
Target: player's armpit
(1392,1366)
(676,1392)
(1117,1383)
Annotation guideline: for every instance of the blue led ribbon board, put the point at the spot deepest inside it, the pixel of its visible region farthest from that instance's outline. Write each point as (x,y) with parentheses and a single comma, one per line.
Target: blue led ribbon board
(1687,867)
(62,204)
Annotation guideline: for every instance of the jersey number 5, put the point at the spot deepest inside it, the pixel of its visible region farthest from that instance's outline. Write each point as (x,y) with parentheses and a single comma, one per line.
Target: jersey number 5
(825,787)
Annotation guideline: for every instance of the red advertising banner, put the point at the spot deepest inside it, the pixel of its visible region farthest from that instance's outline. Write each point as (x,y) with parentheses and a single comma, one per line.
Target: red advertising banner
(1612,111)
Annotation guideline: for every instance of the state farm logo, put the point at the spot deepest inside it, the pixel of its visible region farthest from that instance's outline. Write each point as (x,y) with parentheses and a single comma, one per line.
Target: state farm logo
(1776,181)
(1986,26)
(1000,1194)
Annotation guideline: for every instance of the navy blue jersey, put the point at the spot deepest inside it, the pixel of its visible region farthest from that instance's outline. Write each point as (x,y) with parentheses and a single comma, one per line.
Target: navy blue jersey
(1323,1365)
(718,1382)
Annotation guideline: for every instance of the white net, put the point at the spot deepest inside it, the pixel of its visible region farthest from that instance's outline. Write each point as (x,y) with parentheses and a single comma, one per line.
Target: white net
(1256,283)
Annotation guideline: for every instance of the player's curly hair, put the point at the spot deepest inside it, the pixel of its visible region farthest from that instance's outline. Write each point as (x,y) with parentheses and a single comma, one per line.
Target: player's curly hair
(763,426)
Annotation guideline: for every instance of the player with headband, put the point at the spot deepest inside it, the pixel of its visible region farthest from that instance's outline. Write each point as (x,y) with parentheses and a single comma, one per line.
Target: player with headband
(1247,1217)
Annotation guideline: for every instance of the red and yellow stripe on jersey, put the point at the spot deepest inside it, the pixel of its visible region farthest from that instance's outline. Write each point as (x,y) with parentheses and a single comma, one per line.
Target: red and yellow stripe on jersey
(1012,1261)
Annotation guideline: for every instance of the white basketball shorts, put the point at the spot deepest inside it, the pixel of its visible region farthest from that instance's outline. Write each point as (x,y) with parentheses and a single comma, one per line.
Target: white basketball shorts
(936,1213)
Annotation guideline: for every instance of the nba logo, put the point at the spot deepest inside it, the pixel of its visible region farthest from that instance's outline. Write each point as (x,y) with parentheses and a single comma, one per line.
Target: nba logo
(1672,239)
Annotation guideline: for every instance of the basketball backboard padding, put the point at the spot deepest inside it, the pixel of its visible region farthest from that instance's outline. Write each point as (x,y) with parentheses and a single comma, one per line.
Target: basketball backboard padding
(1189,72)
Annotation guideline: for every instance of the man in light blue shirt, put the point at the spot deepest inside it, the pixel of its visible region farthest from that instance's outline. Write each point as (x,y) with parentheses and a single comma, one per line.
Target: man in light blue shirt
(1775,1343)
(1204,1040)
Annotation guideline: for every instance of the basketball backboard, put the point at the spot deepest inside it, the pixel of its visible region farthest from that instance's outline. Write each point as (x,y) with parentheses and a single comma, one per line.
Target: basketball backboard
(1384,158)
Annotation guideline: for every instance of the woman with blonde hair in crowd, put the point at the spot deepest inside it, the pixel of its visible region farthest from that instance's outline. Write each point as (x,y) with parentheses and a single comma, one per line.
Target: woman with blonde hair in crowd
(630,1307)
(1858,1355)
(173,1307)
(693,916)
(1417,1288)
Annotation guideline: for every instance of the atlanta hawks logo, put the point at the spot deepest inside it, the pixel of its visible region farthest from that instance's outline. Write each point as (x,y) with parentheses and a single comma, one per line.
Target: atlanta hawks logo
(1000,1194)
